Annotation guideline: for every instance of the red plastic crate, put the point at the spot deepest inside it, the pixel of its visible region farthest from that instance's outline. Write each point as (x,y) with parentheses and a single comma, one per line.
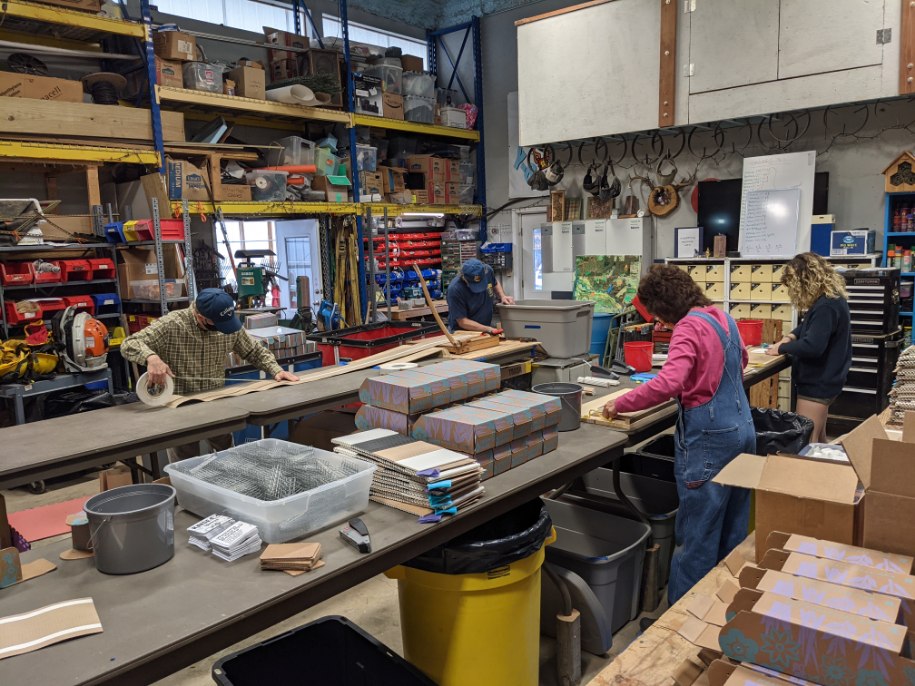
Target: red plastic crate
(138,322)
(50,306)
(361,341)
(75,270)
(102,268)
(13,316)
(81,302)
(47,277)
(12,273)
(171,229)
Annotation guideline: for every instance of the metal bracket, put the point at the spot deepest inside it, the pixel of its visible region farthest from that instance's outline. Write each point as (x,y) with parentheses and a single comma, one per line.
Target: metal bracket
(884,36)
(689,70)
(689,6)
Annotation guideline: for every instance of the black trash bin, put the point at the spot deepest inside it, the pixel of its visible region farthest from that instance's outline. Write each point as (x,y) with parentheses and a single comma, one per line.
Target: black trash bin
(328,652)
(780,432)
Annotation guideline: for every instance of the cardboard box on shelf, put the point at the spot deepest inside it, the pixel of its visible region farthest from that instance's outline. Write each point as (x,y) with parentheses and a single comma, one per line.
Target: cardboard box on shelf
(411,63)
(392,106)
(175,45)
(14,85)
(371,182)
(778,270)
(714,272)
(453,171)
(740,311)
(780,293)
(799,495)
(225,191)
(392,179)
(250,82)
(433,167)
(782,312)
(134,198)
(169,73)
(761,311)
(420,197)
(228,87)
(714,290)
(761,291)
(740,273)
(740,291)
(187,180)
(335,188)
(761,273)
(140,264)
(283,39)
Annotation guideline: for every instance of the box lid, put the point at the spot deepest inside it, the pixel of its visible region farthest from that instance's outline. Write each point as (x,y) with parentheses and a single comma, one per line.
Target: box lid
(338,180)
(794,476)
(883,465)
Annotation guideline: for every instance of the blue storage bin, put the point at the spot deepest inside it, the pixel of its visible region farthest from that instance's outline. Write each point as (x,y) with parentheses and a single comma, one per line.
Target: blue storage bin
(106,303)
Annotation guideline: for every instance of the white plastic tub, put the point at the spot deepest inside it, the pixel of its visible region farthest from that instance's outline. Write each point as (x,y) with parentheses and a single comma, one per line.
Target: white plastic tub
(286,518)
(563,327)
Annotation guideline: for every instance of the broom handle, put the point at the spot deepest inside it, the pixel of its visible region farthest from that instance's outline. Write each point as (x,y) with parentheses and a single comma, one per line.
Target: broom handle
(435,313)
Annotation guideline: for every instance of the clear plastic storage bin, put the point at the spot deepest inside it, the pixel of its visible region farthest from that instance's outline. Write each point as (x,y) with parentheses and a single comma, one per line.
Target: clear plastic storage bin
(267,186)
(391,77)
(201,76)
(420,110)
(296,151)
(419,83)
(285,489)
(367,157)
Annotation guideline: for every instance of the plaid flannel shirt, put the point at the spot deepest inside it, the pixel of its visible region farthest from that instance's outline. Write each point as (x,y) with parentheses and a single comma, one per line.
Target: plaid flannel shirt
(196,356)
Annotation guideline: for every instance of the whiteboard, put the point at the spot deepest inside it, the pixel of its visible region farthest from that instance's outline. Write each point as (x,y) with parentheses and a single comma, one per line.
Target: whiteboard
(769,223)
(589,72)
(778,172)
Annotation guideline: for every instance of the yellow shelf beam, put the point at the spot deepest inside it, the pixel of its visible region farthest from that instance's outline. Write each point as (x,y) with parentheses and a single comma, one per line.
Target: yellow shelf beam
(414,127)
(267,209)
(72,18)
(397,210)
(74,154)
(233,103)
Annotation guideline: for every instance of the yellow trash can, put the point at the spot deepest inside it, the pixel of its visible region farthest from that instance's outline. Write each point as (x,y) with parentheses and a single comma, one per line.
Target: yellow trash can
(473,629)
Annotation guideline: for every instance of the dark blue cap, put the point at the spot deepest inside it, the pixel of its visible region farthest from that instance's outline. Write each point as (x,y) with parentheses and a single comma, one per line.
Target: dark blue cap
(218,306)
(474,273)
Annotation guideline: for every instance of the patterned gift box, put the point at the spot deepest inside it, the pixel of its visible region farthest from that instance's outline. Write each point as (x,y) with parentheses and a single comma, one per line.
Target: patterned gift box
(551,407)
(466,429)
(407,392)
(550,440)
(522,417)
(371,417)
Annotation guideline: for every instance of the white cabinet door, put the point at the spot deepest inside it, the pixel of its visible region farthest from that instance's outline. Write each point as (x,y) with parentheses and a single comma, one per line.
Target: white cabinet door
(733,43)
(818,36)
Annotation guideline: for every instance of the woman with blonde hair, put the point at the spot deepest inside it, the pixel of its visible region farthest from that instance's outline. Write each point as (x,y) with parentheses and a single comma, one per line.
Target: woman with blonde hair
(821,344)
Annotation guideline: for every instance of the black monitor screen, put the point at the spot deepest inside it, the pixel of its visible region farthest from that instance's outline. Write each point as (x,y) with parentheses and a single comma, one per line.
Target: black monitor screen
(719,207)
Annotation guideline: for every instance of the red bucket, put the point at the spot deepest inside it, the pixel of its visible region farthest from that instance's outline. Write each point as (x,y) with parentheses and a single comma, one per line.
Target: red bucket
(638,355)
(750,331)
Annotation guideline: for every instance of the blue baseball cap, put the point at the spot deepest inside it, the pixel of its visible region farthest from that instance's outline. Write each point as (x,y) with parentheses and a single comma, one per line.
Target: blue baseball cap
(218,306)
(474,273)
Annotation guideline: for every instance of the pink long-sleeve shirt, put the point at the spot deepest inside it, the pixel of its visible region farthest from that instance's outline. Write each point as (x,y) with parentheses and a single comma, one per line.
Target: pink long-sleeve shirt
(695,363)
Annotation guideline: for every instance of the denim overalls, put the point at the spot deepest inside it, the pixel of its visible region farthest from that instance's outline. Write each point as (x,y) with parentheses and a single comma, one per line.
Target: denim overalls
(712,519)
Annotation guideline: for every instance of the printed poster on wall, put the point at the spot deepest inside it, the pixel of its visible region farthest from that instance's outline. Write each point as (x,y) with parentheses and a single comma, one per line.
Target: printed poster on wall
(611,281)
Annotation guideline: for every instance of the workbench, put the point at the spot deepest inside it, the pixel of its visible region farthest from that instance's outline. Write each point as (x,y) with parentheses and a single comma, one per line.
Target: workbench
(160,621)
(654,656)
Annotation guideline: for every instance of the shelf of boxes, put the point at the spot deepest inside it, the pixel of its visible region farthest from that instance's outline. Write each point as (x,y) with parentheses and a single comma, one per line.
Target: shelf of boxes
(267,209)
(180,98)
(394,210)
(11,151)
(415,127)
(898,215)
(60,23)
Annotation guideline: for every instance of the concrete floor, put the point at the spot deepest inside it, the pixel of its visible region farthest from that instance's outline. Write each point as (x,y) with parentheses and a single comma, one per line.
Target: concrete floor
(372,605)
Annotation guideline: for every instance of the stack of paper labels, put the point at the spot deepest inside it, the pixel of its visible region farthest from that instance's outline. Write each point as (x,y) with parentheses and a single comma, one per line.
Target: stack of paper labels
(292,558)
(414,476)
(902,397)
(225,537)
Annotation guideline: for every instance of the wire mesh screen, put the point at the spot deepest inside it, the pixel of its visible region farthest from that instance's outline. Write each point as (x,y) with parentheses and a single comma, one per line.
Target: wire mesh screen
(270,469)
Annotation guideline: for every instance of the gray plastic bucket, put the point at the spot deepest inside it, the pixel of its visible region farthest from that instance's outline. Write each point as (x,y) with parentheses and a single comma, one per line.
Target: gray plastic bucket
(570,395)
(132,528)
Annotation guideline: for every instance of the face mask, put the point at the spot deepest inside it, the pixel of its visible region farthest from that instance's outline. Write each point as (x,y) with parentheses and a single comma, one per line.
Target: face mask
(210,327)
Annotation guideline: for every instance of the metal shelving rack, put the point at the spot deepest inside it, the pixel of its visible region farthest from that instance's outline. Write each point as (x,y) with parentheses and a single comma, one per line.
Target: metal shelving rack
(890,202)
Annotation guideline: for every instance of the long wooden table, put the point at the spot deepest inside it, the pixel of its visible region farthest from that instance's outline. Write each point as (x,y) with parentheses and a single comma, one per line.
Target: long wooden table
(162,620)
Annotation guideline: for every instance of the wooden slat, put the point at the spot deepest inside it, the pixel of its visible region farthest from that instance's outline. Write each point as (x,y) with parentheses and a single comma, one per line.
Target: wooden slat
(667,84)
(92,187)
(907,50)
(82,120)
(564,10)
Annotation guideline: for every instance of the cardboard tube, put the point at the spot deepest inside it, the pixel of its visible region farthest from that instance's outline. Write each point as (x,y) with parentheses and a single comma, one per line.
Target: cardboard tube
(296,94)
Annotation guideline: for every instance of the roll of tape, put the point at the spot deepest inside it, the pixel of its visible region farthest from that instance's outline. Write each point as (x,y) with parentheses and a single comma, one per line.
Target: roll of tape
(155,396)
(398,366)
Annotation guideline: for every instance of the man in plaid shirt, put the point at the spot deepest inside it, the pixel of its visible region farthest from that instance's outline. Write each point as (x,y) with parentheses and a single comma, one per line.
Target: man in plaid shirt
(191,345)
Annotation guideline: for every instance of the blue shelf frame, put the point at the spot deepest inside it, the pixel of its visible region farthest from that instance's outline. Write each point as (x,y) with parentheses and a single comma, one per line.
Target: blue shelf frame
(888,235)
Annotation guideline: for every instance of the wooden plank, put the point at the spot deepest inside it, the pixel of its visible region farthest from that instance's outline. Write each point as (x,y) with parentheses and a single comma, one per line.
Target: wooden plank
(504,348)
(82,120)
(907,50)
(94,193)
(667,83)
(591,412)
(564,10)
(653,658)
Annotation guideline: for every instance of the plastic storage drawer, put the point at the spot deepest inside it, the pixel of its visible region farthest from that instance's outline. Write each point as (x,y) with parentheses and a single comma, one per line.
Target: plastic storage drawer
(331,652)
(14,316)
(80,302)
(102,268)
(367,157)
(391,77)
(75,270)
(46,276)
(16,273)
(287,518)
(419,110)
(563,327)
(295,151)
(106,303)
(50,305)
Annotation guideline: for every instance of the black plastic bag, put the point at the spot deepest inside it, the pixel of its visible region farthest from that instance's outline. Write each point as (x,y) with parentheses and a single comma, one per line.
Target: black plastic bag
(780,432)
(513,536)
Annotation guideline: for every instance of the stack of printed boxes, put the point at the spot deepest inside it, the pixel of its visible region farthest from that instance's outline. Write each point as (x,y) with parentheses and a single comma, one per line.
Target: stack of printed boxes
(500,430)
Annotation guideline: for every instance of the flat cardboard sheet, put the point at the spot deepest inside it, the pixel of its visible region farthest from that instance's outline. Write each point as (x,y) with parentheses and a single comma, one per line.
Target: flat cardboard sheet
(45,626)
(795,543)
(700,633)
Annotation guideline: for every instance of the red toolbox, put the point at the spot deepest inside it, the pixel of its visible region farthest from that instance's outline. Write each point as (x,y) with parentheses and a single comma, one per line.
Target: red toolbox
(15,316)
(75,270)
(362,341)
(80,302)
(13,273)
(102,268)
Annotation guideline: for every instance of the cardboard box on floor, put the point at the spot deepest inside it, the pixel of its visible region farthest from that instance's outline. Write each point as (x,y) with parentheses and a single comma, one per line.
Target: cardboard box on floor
(798,495)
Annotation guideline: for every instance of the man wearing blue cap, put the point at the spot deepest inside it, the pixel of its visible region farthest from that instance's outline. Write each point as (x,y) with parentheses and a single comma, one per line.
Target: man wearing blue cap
(192,345)
(470,298)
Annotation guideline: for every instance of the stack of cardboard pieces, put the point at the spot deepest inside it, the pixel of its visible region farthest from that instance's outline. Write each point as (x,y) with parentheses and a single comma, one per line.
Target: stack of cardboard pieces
(396,400)
(819,612)
(292,558)
(415,476)
(902,397)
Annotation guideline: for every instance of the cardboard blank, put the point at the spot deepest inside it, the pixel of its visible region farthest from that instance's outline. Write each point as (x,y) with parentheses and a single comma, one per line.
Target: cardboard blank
(37,629)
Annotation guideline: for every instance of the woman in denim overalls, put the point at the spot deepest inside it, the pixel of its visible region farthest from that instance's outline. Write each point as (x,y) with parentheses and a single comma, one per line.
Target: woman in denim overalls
(704,372)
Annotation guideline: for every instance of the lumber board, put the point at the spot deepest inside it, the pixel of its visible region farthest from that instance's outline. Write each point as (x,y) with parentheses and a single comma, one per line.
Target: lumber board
(559,12)
(591,412)
(907,50)
(478,342)
(667,83)
(504,348)
(83,120)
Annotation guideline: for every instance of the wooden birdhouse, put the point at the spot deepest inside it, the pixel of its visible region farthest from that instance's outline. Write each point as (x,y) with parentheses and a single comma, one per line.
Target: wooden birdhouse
(899,177)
